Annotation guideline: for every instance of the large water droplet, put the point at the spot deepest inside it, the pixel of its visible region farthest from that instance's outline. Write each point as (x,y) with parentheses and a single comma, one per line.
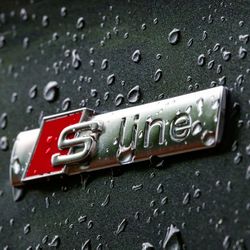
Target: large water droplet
(208,138)
(104,64)
(80,23)
(136,57)
(51,91)
(33,92)
(157,75)
(66,103)
(4,143)
(134,94)
(76,60)
(173,240)
(121,227)
(119,100)
(3,120)
(174,36)
(110,79)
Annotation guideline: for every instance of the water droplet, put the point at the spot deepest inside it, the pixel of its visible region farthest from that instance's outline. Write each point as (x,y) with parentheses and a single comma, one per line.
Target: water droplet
(23,14)
(80,23)
(147,246)
(125,155)
(2,41)
(63,11)
(51,91)
(119,100)
(4,143)
(160,189)
(172,239)
(201,60)
(76,60)
(3,120)
(55,242)
(196,128)
(186,199)
(33,92)
(121,227)
(104,64)
(242,53)
(238,158)
(226,55)
(137,187)
(208,138)
(244,38)
(86,245)
(134,94)
(110,79)
(82,218)
(200,104)
(197,193)
(136,57)
(157,75)
(66,103)
(45,21)
(26,229)
(174,36)
(106,201)
(226,242)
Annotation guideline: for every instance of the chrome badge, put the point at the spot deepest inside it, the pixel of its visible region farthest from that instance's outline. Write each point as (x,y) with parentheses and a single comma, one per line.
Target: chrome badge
(82,141)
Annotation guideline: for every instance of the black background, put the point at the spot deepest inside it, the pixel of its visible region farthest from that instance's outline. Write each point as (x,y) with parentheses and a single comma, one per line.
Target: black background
(53,208)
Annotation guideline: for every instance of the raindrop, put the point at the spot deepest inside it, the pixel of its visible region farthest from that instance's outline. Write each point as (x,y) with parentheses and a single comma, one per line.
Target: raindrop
(247,148)
(172,239)
(244,38)
(4,143)
(110,79)
(2,41)
(3,120)
(26,42)
(157,75)
(147,246)
(51,91)
(134,94)
(174,36)
(197,193)
(66,103)
(121,227)
(45,21)
(186,199)
(242,53)
(226,242)
(76,60)
(160,189)
(119,100)
(23,14)
(33,92)
(63,11)
(104,64)
(86,245)
(82,218)
(136,57)
(26,229)
(106,201)
(248,173)
(237,158)
(226,55)
(201,60)
(196,128)
(80,23)
(137,187)
(208,138)
(55,242)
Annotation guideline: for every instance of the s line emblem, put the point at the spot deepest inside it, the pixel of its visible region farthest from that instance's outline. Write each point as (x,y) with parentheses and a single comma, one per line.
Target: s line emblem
(81,140)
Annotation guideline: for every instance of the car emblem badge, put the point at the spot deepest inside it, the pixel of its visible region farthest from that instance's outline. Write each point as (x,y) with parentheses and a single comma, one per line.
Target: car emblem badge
(81,140)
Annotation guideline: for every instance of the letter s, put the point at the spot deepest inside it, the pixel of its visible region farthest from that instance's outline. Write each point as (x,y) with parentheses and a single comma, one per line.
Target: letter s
(87,143)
